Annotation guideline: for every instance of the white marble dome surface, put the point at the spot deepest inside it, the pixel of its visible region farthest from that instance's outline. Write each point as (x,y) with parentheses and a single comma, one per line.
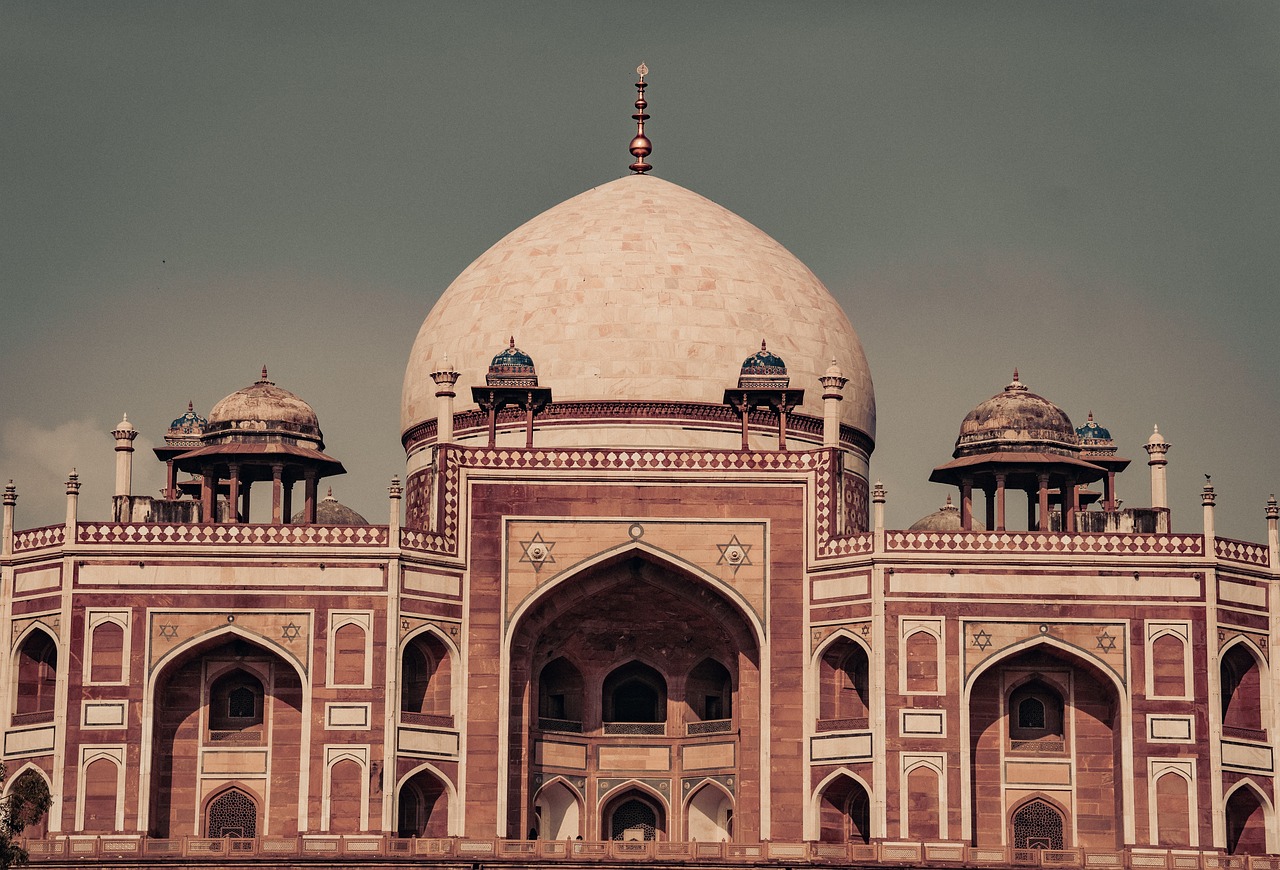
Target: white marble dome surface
(638,290)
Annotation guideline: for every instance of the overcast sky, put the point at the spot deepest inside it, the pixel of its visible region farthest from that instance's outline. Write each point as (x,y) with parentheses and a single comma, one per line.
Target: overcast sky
(1087,191)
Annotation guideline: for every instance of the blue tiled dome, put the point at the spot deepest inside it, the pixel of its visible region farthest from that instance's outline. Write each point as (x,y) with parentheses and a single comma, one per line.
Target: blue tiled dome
(189,423)
(1092,431)
(512,359)
(512,368)
(763,363)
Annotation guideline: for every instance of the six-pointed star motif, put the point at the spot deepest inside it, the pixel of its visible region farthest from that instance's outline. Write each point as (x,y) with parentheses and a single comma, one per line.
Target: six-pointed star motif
(735,554)
(538,552)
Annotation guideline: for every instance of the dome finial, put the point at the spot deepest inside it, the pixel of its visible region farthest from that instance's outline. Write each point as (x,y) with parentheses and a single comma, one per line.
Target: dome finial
(1016,384)
(264,379)
(640,146)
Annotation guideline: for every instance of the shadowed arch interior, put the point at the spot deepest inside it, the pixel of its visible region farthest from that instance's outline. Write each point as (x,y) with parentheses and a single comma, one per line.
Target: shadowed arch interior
(649,649)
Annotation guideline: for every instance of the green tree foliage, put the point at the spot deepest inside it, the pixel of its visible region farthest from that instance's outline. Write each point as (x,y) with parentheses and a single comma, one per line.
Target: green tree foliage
(26,804)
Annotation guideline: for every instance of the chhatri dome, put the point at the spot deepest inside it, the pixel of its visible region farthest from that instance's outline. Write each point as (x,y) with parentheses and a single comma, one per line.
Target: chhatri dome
(637,291)
(263,407)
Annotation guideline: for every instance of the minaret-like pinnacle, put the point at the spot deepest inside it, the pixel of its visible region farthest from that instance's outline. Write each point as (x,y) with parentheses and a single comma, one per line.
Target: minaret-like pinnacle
(640,146)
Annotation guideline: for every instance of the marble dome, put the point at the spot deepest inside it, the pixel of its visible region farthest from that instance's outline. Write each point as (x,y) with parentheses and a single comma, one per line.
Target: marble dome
(639,290)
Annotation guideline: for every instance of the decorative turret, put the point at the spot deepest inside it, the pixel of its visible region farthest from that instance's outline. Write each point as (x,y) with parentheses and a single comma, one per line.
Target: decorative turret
(445,377)
(512,379)
(1157,449)
(1019,440)
(763,382)
(1098,447)
(833,381)
(124,435)
(257,434)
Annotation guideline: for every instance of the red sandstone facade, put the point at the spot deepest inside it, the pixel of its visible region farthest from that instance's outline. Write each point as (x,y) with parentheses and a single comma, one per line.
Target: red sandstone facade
(694,641)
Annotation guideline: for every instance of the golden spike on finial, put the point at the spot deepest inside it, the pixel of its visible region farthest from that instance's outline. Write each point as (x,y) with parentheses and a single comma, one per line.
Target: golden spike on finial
(640,146)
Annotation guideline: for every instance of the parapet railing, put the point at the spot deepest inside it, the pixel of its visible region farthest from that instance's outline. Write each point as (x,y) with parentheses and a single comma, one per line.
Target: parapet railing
(476,850)
(1074,543)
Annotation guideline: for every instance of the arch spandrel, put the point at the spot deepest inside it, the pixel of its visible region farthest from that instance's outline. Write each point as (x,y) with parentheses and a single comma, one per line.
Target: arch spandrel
(538,552)
(288,632)
(1105,644)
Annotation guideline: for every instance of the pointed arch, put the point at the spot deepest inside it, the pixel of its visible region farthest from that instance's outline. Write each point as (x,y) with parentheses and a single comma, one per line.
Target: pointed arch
(1245,686)
(1121,717)
(22,787)
(291,694)
(209,638)
(1038,822)
(35,662)
(1249,818)
(623,814)
(708,812)
(408,789)
(560,809)
(655,556)
(234,810)
(428,663)
(841,808)
(841,675)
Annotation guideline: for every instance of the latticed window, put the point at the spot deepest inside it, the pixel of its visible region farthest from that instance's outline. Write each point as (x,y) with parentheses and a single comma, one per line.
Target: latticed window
(232,814)
(634,820)
(241,703)
(1031,713)
(1037,826)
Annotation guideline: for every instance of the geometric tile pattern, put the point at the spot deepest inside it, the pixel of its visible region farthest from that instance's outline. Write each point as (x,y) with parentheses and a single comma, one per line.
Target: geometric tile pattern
(1037,542)
(1242,551)
(37,539)
(207,533)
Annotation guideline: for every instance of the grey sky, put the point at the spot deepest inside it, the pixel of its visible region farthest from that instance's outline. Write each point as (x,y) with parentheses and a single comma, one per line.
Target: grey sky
(1089,192)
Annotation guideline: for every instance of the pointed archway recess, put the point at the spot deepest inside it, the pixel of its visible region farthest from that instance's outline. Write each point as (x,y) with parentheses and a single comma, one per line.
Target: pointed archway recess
(634,607)
(834,802)
(179,729)
(1249,818)
(1100,710)
(426,804)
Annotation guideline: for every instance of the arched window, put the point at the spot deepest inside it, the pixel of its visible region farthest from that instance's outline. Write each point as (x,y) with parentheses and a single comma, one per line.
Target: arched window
(425,692)
(236,708)
(1036,718)
(1241,691)
(924,811)
(232,814)
(922,662)
(101,794)
(348,655)
(1168,666)
(708,692)
(1037,825)
(842,694)
(106,653)
(1173,810)
(560,696)
(346,797)
(635,693)
(37,678)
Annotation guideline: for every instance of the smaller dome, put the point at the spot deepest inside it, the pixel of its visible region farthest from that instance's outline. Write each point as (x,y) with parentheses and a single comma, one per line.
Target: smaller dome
(1156,438)
(512,368)
(189,423)
(1091,431)
(263,407)
(944,519)
(1017,419)
(763,371)
(330,512)
(764,363)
